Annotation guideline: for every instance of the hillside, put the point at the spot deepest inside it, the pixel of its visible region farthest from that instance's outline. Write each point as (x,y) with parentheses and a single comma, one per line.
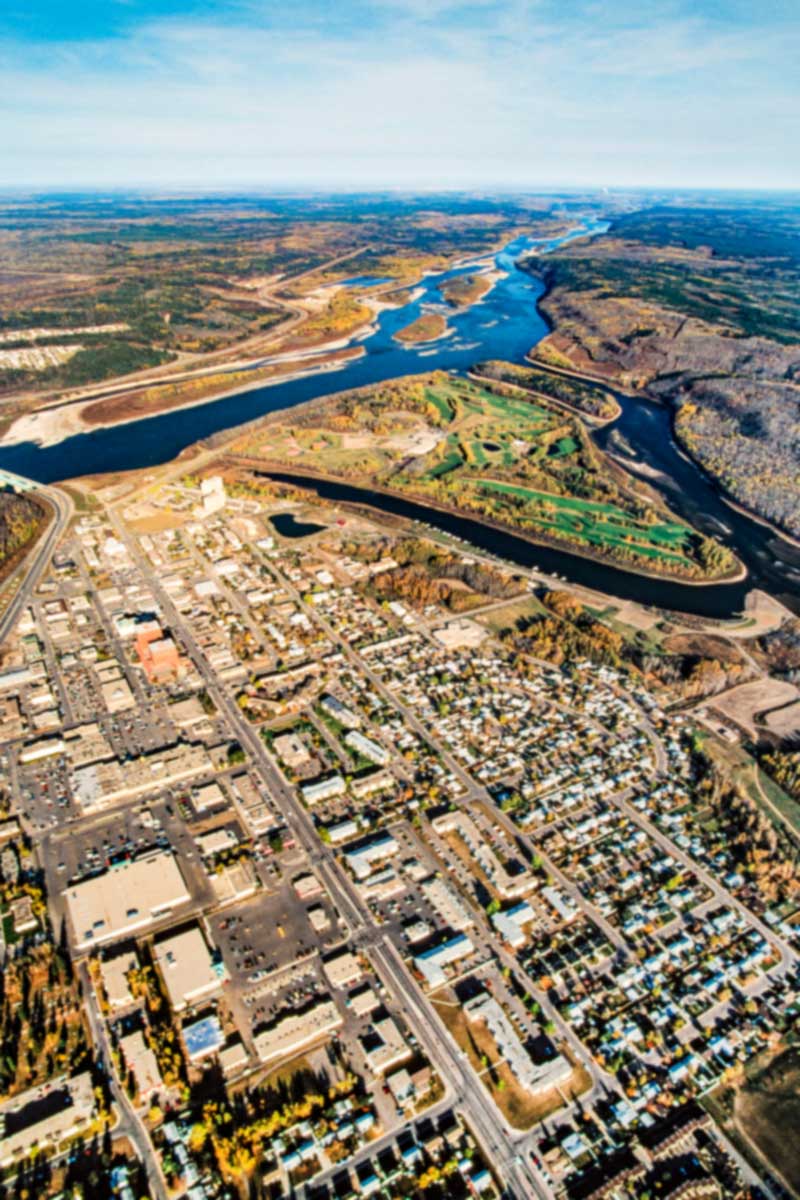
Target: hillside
(699,307)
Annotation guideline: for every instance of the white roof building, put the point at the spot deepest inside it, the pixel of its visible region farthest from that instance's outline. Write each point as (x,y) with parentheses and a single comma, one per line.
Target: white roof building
(125,900)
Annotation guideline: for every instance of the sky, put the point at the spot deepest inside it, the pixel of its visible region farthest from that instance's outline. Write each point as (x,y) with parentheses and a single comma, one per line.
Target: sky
(409,94)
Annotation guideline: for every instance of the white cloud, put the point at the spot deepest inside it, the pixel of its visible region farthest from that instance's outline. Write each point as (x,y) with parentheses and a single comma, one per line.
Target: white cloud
(454,90)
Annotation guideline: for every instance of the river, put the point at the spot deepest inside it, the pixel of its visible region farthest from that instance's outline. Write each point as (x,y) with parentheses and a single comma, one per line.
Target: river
(505,325)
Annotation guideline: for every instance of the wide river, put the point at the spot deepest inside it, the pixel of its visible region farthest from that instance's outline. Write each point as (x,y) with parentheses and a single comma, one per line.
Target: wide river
(505,325)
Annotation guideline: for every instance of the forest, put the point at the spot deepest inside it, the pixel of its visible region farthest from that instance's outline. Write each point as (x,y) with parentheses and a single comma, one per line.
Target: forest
(20,519)
(699,306)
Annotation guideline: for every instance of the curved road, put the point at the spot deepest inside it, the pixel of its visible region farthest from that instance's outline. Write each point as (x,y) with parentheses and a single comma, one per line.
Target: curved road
(34,564)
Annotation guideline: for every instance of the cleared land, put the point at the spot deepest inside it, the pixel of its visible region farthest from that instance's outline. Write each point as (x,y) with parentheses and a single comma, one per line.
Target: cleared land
(763,1112)
(746,704)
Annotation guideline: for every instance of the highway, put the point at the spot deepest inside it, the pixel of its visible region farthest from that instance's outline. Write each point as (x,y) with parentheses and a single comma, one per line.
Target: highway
(34,564)
(457,1074)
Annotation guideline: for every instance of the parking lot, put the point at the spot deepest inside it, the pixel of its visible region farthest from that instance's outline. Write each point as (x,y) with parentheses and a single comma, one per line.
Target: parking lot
(268,933)
(45,792)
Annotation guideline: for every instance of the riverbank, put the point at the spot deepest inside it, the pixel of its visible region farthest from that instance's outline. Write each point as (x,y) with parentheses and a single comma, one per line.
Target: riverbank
(276,470)
(56,423)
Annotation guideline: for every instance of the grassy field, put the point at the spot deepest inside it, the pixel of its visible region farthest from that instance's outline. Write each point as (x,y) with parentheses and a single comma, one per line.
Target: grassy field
(517,1105)
(762,1111)
(498,452)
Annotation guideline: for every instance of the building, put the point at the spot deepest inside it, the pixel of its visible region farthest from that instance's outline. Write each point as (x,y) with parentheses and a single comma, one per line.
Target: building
(447,904)
(296,1030)
(509,924)
(212,494)
(99,784)
(117,695)
(114,974)
(291,750)
(343,831)
(126,900)
(140,1059)
(534,1077)
(45,1116)
(361,859)
(431,963)
(322,789)
(340,712)
(307,886)
(158,655)
(507,885)
(203,1038)
(384,1046)
(343,970)
(233,1058)
(186,966)
(367,747)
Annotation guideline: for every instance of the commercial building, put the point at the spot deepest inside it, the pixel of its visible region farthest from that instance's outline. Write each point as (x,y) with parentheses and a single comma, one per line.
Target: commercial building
(297,1030)
(139,1058)
(46,748)
(189,973)
(125,900)
(117,695)
(45,1116)
(203,1038)
(384,1046)
(100,784)
(114,974)
(343,970)
(158,655)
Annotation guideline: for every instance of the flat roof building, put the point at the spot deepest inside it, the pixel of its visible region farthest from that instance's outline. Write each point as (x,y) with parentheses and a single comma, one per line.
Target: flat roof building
(343,970)
(45,1115)
(124,901)
(431,963)
(140,1059)
(296,1030)
(384,1046)
(360,859)
(187,968)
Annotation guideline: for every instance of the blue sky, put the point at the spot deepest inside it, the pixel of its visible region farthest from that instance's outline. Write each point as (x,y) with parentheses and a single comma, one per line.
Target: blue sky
(418,93)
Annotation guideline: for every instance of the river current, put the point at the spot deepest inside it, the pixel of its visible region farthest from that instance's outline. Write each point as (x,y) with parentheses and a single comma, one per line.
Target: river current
(505,325)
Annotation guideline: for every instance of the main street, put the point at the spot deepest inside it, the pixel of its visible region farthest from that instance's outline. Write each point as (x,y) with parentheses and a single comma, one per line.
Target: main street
(456,1072)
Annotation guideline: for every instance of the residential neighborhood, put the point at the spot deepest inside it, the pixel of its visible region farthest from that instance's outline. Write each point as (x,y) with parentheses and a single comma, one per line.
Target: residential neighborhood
(309,892)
